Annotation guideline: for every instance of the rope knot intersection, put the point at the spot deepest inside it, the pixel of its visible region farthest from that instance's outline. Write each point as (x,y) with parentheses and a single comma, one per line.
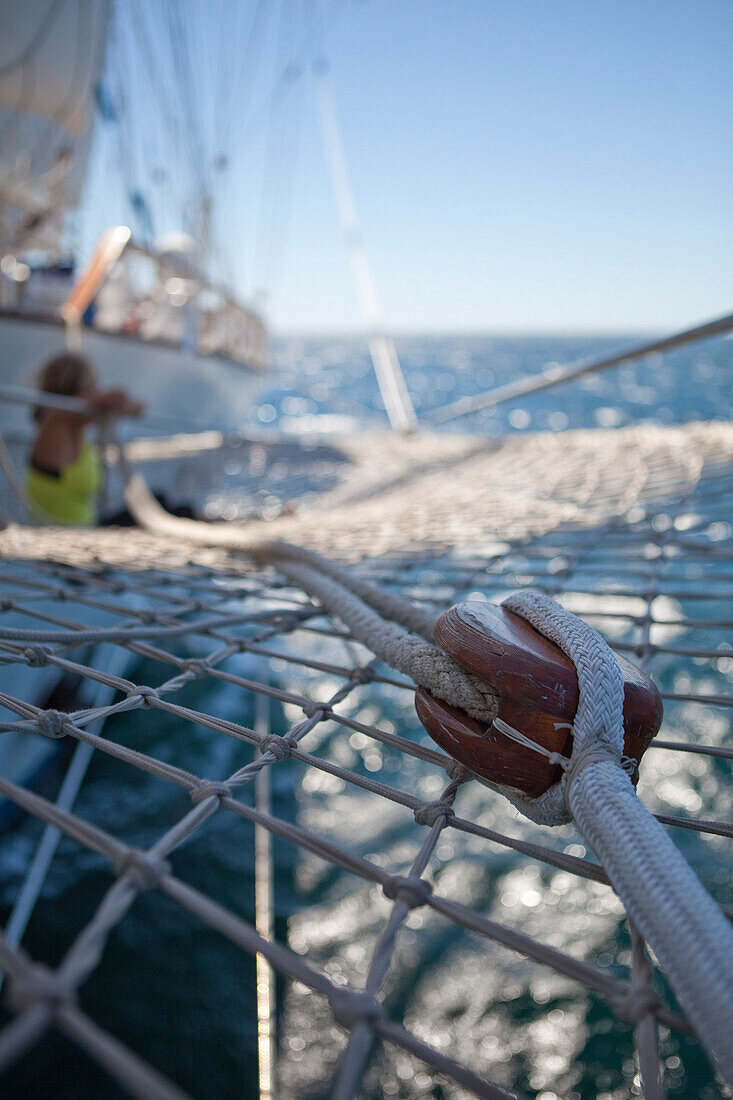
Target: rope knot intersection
(350,1009)
(410,889)
(361,675)
(280,747)
(149,695)
(431,812)
(196,667)
(210,790)
(635,1003)
(145,871)
(37,655)
(40,985)
(52,723)
(587,752)
(310,710)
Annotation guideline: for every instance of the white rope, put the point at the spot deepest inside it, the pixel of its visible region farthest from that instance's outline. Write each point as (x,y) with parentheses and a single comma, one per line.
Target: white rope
(401,648)
(394,629)
(683,925)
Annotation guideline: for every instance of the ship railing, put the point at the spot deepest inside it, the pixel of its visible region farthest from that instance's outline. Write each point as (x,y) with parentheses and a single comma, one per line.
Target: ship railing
(222,327)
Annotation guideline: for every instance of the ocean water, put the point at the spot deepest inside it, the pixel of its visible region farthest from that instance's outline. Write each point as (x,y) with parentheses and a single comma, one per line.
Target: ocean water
(327,385)
(335,378)
(184,999)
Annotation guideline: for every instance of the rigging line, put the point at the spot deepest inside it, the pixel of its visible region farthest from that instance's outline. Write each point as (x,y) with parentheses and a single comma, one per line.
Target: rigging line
(283,83)
(186,158)
(555,375)
(226,53)
(152,72)
(229,70)
(202,168)
(243,79)
(36,41)
(186,82)
(396,398)
(208,64)
(278,174)
(249,64)
(130,151)
(153,68)
(221,64)
(127,162)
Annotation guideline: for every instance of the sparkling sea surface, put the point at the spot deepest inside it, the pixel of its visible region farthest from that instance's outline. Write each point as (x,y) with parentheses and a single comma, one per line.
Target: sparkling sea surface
(183,998)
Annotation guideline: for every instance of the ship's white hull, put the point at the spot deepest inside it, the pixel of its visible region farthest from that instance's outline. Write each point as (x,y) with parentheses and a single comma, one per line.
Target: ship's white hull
(201,391)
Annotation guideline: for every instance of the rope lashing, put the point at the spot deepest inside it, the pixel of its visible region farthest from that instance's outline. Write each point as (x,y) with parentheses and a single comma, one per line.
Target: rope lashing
(537,686)
(40,986)
(598,723)
(280,747)
(570,765)
(432,812)
(350,1009)
(681,922)
(52,723)
(210,790)
(410,889)
(37,656)
(145,870)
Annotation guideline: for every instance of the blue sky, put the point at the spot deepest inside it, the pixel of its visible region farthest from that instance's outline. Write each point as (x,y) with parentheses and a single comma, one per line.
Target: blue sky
(518,165)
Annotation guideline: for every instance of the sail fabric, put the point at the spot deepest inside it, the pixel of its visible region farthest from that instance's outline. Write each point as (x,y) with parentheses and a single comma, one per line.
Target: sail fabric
(51,59)
(51,56)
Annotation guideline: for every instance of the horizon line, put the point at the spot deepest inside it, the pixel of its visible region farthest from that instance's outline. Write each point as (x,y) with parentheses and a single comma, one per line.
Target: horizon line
(411,333)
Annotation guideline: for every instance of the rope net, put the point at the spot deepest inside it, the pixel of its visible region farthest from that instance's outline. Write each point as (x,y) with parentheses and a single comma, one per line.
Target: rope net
(629,529)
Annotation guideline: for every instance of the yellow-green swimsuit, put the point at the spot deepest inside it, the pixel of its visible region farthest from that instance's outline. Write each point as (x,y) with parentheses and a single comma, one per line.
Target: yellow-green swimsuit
(69,496)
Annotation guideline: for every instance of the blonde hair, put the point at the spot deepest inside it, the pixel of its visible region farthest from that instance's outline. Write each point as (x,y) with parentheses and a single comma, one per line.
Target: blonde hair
(67,375)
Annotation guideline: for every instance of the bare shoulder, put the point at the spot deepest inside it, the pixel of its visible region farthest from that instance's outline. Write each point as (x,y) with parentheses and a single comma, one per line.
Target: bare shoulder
(55,445)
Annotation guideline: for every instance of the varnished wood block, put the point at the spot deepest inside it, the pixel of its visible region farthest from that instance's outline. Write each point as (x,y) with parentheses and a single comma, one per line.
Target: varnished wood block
(538,691)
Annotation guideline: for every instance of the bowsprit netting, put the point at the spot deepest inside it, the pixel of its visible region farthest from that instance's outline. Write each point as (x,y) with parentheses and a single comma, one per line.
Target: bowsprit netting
(629,529)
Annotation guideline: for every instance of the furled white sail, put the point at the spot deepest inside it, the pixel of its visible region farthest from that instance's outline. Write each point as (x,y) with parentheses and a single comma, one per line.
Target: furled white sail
(51,58)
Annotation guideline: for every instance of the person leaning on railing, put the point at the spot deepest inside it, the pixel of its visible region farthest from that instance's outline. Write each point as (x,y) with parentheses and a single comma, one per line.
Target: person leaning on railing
(64,474)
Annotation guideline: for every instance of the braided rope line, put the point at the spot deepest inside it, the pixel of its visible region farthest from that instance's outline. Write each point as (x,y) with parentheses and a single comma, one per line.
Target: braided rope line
(404,612)
(634,1004)
(394,629)
(662,894)
(410,653)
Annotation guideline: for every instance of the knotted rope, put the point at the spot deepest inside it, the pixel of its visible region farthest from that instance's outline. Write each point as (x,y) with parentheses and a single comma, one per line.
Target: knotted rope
(394,629)
(681,922)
